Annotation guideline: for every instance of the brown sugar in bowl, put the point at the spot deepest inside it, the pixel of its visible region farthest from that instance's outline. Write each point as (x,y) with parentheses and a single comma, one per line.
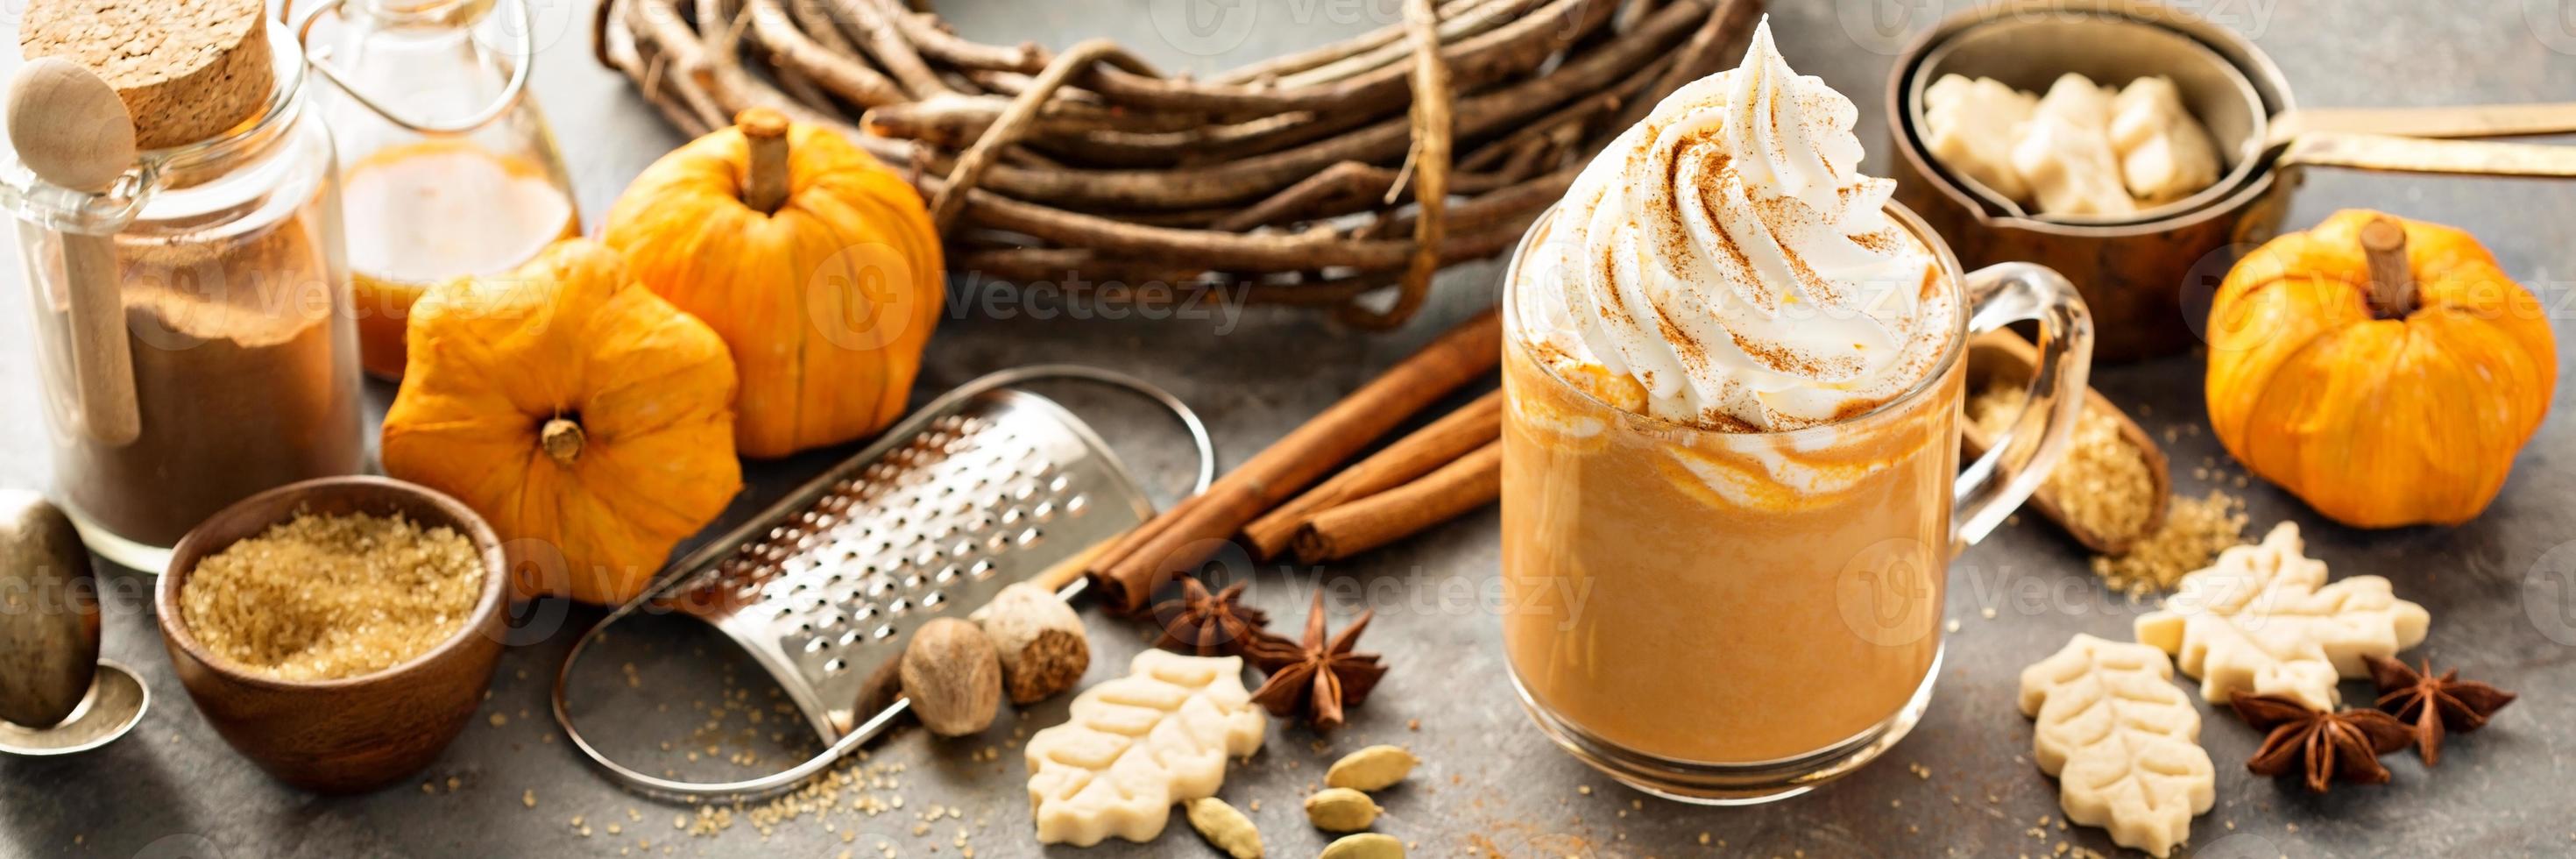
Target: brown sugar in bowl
(350,734)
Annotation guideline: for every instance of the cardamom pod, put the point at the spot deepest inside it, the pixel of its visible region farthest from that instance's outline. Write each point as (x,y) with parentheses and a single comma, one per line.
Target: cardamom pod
(1341,809)
(1372,768)
(1366,845)
(1223,827)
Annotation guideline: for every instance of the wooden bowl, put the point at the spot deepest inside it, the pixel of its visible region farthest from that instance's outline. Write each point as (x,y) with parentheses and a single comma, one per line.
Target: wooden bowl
(351,734)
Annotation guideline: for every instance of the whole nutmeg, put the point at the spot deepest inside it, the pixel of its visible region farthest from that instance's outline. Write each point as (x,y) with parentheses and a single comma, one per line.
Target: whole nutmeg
(49,622)
(1043,647)
(953,676)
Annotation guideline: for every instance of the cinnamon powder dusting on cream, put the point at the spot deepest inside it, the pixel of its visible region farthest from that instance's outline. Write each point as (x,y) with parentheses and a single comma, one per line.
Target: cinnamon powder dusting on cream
(1769,275)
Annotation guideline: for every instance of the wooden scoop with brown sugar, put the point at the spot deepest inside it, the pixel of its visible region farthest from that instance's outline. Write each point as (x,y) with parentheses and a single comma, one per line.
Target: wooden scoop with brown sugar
(2110,490)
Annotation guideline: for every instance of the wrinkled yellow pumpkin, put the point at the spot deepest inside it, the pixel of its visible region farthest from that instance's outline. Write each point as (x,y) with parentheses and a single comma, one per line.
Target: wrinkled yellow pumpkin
(816,264)
(586,418)
(2384,370)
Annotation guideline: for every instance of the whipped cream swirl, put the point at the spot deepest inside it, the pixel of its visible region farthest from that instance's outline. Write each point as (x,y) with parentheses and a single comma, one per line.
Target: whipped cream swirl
(1728,256)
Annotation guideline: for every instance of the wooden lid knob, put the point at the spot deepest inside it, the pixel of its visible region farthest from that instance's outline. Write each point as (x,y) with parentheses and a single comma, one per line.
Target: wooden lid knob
(187,70)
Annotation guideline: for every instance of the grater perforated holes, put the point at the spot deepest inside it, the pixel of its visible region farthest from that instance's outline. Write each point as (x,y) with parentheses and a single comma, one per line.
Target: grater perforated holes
(885,545)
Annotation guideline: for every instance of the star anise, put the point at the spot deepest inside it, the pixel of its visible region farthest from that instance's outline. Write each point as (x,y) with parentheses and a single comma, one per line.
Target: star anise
(2433,704)
(1317,676)
(2344,744)
(1208,624)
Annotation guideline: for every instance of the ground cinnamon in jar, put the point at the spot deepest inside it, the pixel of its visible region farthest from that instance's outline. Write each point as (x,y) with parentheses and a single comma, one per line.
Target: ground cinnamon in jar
(226,239)
(327,597)
(244,377)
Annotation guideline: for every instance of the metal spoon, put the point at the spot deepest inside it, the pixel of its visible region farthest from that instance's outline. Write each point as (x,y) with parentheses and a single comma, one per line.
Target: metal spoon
(114,705)
(56,695)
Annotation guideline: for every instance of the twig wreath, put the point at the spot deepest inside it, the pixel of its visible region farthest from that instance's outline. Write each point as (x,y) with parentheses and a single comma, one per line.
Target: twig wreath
(1312,179)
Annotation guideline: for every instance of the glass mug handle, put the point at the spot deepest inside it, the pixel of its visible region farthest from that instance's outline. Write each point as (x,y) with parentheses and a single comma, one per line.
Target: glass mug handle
(1998,482)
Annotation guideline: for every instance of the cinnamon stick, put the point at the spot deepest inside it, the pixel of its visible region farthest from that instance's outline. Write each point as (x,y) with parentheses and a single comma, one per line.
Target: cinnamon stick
(1189,534)
(1444,441)
(1126,544)
(1466,484)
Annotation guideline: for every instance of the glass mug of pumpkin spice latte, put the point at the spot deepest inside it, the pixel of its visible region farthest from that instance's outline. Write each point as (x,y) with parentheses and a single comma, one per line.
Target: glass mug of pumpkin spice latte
(1731,480)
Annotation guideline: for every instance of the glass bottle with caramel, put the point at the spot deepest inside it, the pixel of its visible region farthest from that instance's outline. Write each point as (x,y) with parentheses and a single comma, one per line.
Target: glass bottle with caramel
(447,167)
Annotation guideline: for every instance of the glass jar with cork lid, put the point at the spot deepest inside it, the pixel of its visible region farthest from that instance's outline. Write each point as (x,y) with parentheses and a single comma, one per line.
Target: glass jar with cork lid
(178,223)
(448,169)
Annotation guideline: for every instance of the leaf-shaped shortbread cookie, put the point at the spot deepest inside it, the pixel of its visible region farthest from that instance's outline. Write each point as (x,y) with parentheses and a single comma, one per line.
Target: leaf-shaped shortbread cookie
(2263,620)
(1136,744)
(2123,743)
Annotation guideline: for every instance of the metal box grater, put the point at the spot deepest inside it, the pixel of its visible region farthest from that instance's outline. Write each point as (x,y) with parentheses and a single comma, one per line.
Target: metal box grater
(1001,489)
(981,488)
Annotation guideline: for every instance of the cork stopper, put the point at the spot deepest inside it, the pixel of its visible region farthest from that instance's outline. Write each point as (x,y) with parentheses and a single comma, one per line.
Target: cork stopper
(187,70)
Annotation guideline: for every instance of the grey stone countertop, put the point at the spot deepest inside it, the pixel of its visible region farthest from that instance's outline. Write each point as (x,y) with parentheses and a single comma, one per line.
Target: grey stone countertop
(2501,589)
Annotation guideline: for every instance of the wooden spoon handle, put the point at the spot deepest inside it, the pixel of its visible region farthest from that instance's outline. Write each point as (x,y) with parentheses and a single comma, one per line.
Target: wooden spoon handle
(102,365)
(71,129)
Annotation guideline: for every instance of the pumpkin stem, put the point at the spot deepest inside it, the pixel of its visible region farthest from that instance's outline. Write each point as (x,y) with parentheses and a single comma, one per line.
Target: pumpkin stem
(764,185)
(562,440)
(2392,284)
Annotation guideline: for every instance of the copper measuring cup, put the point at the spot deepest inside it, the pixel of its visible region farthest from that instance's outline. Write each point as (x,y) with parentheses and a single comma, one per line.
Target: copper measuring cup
(2147,276)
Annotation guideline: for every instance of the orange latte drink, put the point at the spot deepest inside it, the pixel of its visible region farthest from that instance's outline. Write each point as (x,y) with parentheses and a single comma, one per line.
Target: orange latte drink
(1730,447)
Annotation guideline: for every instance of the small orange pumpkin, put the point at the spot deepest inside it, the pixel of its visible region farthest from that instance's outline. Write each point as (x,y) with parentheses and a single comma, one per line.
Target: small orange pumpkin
(2384,370)
(586,418)
(817,265)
